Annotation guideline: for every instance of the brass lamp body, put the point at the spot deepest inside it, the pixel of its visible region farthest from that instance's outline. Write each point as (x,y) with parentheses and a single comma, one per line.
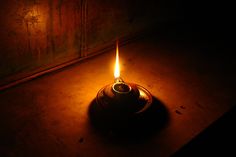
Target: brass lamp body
(122,101)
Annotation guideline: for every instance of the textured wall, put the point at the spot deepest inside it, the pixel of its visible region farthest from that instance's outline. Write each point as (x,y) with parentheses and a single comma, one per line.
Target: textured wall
(37,34)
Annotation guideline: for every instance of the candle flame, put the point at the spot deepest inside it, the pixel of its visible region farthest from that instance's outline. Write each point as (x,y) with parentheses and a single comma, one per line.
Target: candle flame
(117,65)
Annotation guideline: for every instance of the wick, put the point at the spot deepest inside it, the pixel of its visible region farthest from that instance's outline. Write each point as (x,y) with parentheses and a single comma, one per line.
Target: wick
(118,79)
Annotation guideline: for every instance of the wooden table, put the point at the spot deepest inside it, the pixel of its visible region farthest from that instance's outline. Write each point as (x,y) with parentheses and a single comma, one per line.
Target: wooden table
(48,116)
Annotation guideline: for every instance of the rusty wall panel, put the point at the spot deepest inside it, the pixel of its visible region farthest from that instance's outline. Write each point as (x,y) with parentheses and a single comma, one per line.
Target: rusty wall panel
(38,34)
(108,20)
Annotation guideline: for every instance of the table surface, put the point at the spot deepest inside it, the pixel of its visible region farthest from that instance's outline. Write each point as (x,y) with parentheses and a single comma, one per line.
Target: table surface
(48,116)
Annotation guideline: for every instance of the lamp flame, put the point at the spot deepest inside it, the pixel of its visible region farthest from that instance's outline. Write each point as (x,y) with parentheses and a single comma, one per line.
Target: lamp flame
(117,65)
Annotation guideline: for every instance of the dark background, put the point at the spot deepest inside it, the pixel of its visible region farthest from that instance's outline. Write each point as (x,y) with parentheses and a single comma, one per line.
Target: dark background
(36,35)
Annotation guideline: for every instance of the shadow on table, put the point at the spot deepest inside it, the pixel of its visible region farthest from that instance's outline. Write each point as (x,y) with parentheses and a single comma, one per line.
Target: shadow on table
(129,129)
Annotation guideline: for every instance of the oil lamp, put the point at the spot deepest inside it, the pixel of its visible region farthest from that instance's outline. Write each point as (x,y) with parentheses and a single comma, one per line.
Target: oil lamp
(119,102)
